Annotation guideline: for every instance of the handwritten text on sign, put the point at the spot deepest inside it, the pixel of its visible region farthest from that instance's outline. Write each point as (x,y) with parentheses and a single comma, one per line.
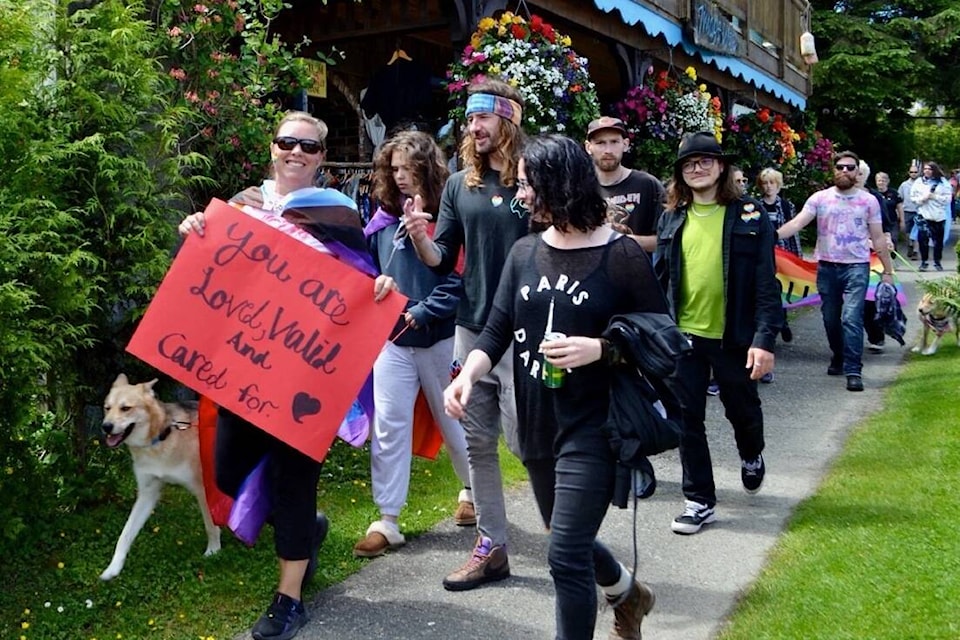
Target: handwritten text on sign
(266,326)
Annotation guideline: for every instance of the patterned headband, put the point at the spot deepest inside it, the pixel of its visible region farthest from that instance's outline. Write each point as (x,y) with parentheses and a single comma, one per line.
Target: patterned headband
(489,103)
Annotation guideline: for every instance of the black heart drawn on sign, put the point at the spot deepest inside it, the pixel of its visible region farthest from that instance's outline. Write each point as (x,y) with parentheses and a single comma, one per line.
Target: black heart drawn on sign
(304,404)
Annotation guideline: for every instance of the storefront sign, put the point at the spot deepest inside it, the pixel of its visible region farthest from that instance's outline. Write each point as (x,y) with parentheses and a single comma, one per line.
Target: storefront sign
(318,79)
(710,29)
(266,326)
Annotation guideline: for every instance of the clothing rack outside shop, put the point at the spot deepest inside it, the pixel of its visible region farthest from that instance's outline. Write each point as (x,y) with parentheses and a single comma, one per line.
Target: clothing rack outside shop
(353,179)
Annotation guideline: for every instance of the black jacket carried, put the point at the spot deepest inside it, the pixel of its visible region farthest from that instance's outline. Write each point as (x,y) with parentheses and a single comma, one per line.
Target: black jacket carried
(753,309)
(644,414)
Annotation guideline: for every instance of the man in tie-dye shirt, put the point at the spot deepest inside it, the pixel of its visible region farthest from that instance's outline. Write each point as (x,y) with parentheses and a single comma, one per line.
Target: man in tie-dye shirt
(848,220)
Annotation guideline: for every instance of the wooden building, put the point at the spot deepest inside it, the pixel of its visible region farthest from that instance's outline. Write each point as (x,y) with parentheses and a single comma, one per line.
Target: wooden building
(746,50)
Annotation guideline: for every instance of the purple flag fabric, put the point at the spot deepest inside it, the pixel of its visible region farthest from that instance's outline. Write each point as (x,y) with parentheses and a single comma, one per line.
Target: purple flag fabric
(252,506)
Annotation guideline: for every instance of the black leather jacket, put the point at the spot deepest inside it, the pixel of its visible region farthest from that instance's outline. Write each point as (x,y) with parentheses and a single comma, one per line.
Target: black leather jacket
(753,306)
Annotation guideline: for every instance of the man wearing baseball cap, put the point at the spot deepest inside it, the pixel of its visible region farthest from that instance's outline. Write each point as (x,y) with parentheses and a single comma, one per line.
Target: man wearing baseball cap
(715,262)
(636,195)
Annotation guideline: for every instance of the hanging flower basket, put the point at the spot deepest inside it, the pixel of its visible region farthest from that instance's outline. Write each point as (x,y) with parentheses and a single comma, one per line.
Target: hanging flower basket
(536,59)
(660,110)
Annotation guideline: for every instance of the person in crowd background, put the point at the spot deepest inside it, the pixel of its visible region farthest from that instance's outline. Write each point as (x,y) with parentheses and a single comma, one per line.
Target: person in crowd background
(779,210)
(297,150)
(410,166)
(932,195)
(715,261)
(894,204)
(740,179)
(909,209)
(637,197)
(555,330)
(876,339)
(479,212)
(848,221)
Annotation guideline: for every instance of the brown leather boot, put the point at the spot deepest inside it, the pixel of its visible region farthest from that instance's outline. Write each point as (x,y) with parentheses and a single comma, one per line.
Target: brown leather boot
(466,514)
(487,563)
(628,613)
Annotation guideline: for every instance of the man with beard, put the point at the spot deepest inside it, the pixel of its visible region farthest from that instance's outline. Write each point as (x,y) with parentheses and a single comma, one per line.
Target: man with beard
(715,261)
(848,220)
(480,213)
(636,195)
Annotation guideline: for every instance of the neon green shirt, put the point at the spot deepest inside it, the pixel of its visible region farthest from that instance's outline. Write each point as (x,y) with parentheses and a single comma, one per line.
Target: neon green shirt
(701,272)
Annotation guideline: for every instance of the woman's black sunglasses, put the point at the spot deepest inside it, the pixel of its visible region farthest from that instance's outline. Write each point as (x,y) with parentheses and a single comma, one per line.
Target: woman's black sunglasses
(308,146)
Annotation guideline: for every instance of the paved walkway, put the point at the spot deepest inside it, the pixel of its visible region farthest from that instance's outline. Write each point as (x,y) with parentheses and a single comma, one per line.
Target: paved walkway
(698,578)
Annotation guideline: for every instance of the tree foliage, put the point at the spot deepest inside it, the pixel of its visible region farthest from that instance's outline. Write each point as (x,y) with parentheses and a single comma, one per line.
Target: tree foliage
(878,60)
(103,151)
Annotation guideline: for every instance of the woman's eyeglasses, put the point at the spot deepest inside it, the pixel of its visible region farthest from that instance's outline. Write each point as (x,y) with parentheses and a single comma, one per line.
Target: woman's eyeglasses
(704,163)
(308,146)
(841,166)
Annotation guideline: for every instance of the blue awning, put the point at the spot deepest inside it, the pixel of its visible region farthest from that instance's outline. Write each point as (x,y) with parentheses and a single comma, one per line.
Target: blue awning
(656,25)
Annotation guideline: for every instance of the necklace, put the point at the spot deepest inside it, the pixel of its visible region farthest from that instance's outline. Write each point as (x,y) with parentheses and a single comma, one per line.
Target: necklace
(713,210)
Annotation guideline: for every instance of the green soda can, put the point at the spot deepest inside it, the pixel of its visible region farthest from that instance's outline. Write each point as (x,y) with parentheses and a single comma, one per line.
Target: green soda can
(552,376)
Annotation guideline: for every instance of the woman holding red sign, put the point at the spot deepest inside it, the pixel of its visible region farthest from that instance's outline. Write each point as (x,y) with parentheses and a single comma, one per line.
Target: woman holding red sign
(291,477)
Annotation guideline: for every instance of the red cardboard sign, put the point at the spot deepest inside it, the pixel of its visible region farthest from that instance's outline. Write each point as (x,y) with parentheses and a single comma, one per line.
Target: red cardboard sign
(274,330)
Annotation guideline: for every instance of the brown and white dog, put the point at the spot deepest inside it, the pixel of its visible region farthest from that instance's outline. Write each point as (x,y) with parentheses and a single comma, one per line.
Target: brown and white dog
(937,319)
(165,446)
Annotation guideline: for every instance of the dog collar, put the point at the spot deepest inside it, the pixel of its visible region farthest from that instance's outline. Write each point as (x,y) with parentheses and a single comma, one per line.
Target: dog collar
(179,425)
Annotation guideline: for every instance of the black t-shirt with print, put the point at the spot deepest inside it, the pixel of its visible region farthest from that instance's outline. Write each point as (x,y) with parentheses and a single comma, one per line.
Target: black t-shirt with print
(587,287)
(640,195)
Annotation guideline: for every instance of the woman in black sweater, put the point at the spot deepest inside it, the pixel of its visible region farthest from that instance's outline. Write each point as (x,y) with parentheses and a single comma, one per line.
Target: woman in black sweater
(567,281)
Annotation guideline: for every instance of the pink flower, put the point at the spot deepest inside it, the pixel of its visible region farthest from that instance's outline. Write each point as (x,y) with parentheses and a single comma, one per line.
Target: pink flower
(178,74)
(235,141)
(174,32)
(201,8)
(191,97)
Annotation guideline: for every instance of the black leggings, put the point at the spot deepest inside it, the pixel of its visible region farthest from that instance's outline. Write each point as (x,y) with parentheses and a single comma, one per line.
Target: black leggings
(291,476)
(930,230)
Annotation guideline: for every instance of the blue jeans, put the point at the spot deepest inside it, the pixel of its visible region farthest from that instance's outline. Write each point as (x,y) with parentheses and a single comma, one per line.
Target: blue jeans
(843,290)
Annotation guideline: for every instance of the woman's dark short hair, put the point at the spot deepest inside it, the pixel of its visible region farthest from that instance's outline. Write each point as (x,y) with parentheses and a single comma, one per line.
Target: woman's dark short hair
(564,181)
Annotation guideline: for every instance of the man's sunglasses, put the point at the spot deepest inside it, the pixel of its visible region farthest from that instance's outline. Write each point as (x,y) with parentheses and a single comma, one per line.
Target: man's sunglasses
(840,166)
(308,146)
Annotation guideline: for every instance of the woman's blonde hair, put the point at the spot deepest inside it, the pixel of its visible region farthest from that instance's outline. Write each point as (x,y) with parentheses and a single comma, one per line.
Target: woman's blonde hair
(303,116)
(772,175)
(509,139)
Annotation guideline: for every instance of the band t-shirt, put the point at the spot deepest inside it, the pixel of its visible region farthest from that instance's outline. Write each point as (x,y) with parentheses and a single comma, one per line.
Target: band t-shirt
(640,196)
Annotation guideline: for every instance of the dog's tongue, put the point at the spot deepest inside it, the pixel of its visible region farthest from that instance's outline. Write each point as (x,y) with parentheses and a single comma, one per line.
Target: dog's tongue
(114,439)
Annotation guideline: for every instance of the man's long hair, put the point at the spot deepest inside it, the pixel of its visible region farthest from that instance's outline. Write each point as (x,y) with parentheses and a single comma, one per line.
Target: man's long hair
(564,182)
(510,139)
(426,163)
(679,194)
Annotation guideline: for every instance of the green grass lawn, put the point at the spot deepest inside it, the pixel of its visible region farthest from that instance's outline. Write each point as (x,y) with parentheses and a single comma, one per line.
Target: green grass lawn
(168,590)
(876,552)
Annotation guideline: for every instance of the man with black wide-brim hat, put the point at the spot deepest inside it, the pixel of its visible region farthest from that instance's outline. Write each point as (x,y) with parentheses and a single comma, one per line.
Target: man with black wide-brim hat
(715,261)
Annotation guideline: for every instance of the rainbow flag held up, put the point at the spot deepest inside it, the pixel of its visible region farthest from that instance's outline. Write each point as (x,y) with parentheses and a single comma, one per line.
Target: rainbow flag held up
(799,280)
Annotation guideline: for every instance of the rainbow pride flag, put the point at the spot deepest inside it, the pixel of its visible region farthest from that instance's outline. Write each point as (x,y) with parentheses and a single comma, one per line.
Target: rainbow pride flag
(799,280)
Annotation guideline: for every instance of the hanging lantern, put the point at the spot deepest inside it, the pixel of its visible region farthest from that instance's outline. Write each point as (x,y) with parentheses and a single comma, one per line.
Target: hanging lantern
(808,48)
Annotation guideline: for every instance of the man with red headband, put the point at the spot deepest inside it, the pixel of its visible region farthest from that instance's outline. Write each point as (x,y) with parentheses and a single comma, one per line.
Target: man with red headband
(479,212)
